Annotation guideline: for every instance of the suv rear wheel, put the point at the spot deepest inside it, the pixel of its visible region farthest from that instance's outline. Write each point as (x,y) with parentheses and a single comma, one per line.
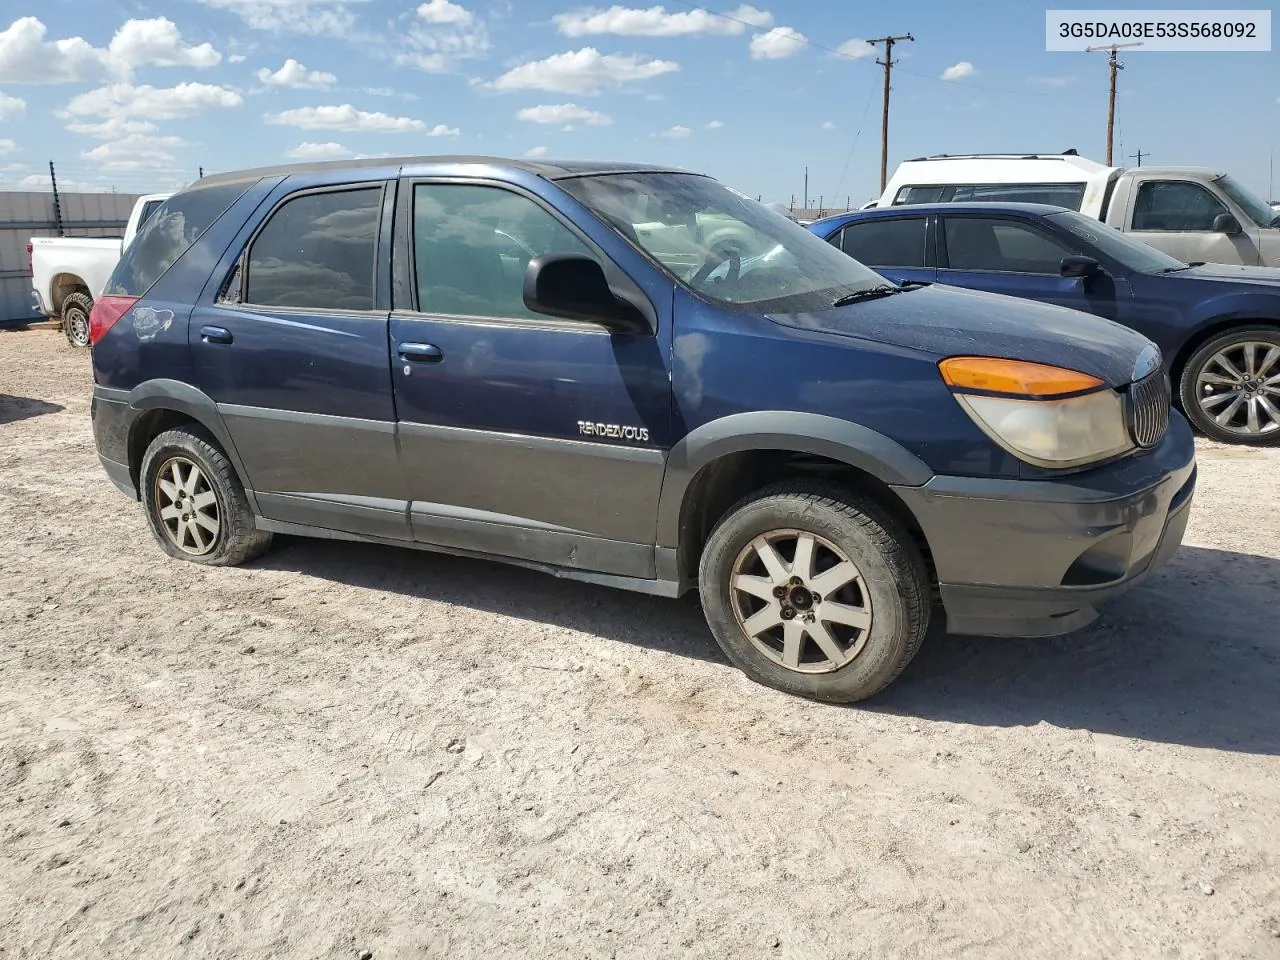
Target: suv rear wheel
(814,591)
(195,503)
(75,318)
(1231,387)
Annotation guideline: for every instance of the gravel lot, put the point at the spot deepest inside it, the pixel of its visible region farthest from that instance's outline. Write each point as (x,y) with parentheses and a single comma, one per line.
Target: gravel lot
(347,751)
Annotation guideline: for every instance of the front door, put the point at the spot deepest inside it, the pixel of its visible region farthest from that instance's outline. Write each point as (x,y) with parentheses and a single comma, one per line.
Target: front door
(294,353)
(1177,216)
(1016,258)
(520,435)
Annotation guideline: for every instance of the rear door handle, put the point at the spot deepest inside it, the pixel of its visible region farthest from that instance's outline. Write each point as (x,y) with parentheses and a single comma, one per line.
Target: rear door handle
(421,352)
(210,334)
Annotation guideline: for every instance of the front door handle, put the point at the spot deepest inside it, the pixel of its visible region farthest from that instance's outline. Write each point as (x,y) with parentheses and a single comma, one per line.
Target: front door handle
(421,352)
(210,334)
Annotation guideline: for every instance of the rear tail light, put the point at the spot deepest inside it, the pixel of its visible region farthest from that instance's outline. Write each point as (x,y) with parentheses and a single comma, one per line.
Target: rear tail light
(106,311)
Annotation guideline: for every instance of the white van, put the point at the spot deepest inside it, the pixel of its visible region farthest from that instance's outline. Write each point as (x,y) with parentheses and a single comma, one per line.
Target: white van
(1196,214)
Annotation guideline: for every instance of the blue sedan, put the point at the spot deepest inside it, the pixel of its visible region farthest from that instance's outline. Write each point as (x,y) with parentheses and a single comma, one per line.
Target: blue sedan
(1218,326)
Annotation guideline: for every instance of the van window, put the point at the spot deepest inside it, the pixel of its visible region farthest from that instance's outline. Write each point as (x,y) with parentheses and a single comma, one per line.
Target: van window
(886,243)
(168,234)
(1069,195)
(472,246)
(1175,206)
(317,250)
(1004,246)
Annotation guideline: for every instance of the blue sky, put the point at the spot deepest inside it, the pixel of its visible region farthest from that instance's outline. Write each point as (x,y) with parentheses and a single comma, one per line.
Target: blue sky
(139,95)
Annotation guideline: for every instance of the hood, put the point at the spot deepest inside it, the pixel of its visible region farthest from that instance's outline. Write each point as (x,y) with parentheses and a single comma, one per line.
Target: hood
(949,321)
(1266,276)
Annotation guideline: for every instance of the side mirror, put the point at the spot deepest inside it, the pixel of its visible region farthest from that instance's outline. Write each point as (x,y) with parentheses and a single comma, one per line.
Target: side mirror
(1226,223)
(574,287)
(1079,267)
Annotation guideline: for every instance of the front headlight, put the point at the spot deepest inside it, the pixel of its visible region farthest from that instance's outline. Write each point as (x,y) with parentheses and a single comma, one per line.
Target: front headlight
(1047,416)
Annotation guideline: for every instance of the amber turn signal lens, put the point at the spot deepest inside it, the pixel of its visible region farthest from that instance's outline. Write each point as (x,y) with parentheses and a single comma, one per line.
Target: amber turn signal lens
(1020,377)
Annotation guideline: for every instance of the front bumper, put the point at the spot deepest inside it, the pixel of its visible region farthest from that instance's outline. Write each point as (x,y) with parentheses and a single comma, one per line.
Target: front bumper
(1018,558)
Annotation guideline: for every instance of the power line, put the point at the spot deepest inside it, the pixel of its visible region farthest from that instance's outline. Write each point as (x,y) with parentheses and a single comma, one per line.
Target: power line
(871,92)
(849,56)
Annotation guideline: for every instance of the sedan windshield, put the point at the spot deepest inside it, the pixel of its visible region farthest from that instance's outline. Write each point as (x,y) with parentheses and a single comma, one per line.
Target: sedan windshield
(723,245)
(1134,254)
(1262,214)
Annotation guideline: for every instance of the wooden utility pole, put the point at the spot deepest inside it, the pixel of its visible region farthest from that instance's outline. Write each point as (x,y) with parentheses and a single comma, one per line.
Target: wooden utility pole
(887,63)
(1115,66)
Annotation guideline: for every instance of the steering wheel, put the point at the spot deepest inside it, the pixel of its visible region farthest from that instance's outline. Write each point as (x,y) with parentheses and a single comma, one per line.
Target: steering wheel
(713,261)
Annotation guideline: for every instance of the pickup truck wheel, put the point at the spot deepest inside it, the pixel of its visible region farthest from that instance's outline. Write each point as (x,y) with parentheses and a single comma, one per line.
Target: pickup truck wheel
(1231,387)
(75,318)
(195,503)
(814,591)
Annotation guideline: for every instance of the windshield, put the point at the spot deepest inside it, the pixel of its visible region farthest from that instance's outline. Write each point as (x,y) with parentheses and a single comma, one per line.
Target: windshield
(1134,254)
(1260,213)
(721,244)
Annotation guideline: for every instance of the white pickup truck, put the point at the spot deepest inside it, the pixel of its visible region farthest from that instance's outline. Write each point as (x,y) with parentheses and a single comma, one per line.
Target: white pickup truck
(1196,214)
(68,272)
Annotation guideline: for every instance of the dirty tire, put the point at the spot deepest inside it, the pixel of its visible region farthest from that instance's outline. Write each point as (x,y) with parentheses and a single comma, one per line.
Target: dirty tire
(893,576)
(237,540)
(1267,337)
(75,318)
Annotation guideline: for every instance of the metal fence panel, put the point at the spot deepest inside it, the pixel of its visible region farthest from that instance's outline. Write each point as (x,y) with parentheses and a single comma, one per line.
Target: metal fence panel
(26,214)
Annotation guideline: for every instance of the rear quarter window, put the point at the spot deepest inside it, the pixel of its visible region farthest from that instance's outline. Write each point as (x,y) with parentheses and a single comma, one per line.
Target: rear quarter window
(168,234)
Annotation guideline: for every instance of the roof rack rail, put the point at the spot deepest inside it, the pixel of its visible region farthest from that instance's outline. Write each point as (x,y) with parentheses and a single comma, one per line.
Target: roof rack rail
(1006,156)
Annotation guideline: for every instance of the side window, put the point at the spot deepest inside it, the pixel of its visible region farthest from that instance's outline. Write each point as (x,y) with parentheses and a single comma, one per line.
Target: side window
(1069,195)
(1007,246)
(923,194)
(472,245)
(318,251)
(1175,205)
(886,243)
(148,208)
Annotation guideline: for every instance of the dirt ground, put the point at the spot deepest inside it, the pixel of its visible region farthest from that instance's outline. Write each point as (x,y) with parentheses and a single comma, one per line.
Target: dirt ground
(344,751)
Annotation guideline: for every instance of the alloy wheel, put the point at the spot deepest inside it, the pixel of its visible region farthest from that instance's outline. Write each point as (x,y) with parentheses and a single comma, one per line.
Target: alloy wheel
(188,506)
(801,601)
(1239,388)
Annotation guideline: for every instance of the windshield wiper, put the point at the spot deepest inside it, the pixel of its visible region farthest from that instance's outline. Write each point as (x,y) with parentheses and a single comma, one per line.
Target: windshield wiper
(871,293)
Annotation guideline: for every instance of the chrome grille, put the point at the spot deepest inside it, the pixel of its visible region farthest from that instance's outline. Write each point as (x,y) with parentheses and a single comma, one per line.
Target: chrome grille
(1147,408)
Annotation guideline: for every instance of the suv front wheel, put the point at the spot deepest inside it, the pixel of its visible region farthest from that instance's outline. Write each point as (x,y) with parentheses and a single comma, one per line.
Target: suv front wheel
(195,503)
(814,591)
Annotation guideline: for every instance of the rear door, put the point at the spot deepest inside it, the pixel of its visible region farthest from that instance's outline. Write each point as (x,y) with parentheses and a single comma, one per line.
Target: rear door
(294,353)
(1017,258)
(895,247)
(520,435)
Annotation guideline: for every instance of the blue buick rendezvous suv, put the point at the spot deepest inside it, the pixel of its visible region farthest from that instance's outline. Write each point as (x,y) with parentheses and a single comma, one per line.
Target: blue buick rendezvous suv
(636,377)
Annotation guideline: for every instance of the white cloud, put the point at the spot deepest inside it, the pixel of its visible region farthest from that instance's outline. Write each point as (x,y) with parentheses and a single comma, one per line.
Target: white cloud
(440,130)
(442,11)
(319,151)
(536,152)
(958,71)
(828,125)
(856,49)
(678,132)
(449,33)
(7,146)
(114,128)
(715,125)
(236,58)
(564,113)
(294,74)
(156,42)
(344,117)
(11,106)
(657,22)
(123,100)
(778,43)
(25,56)
(322,18)
(40,181)
(582,71)
(1054,81)
(136,152)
